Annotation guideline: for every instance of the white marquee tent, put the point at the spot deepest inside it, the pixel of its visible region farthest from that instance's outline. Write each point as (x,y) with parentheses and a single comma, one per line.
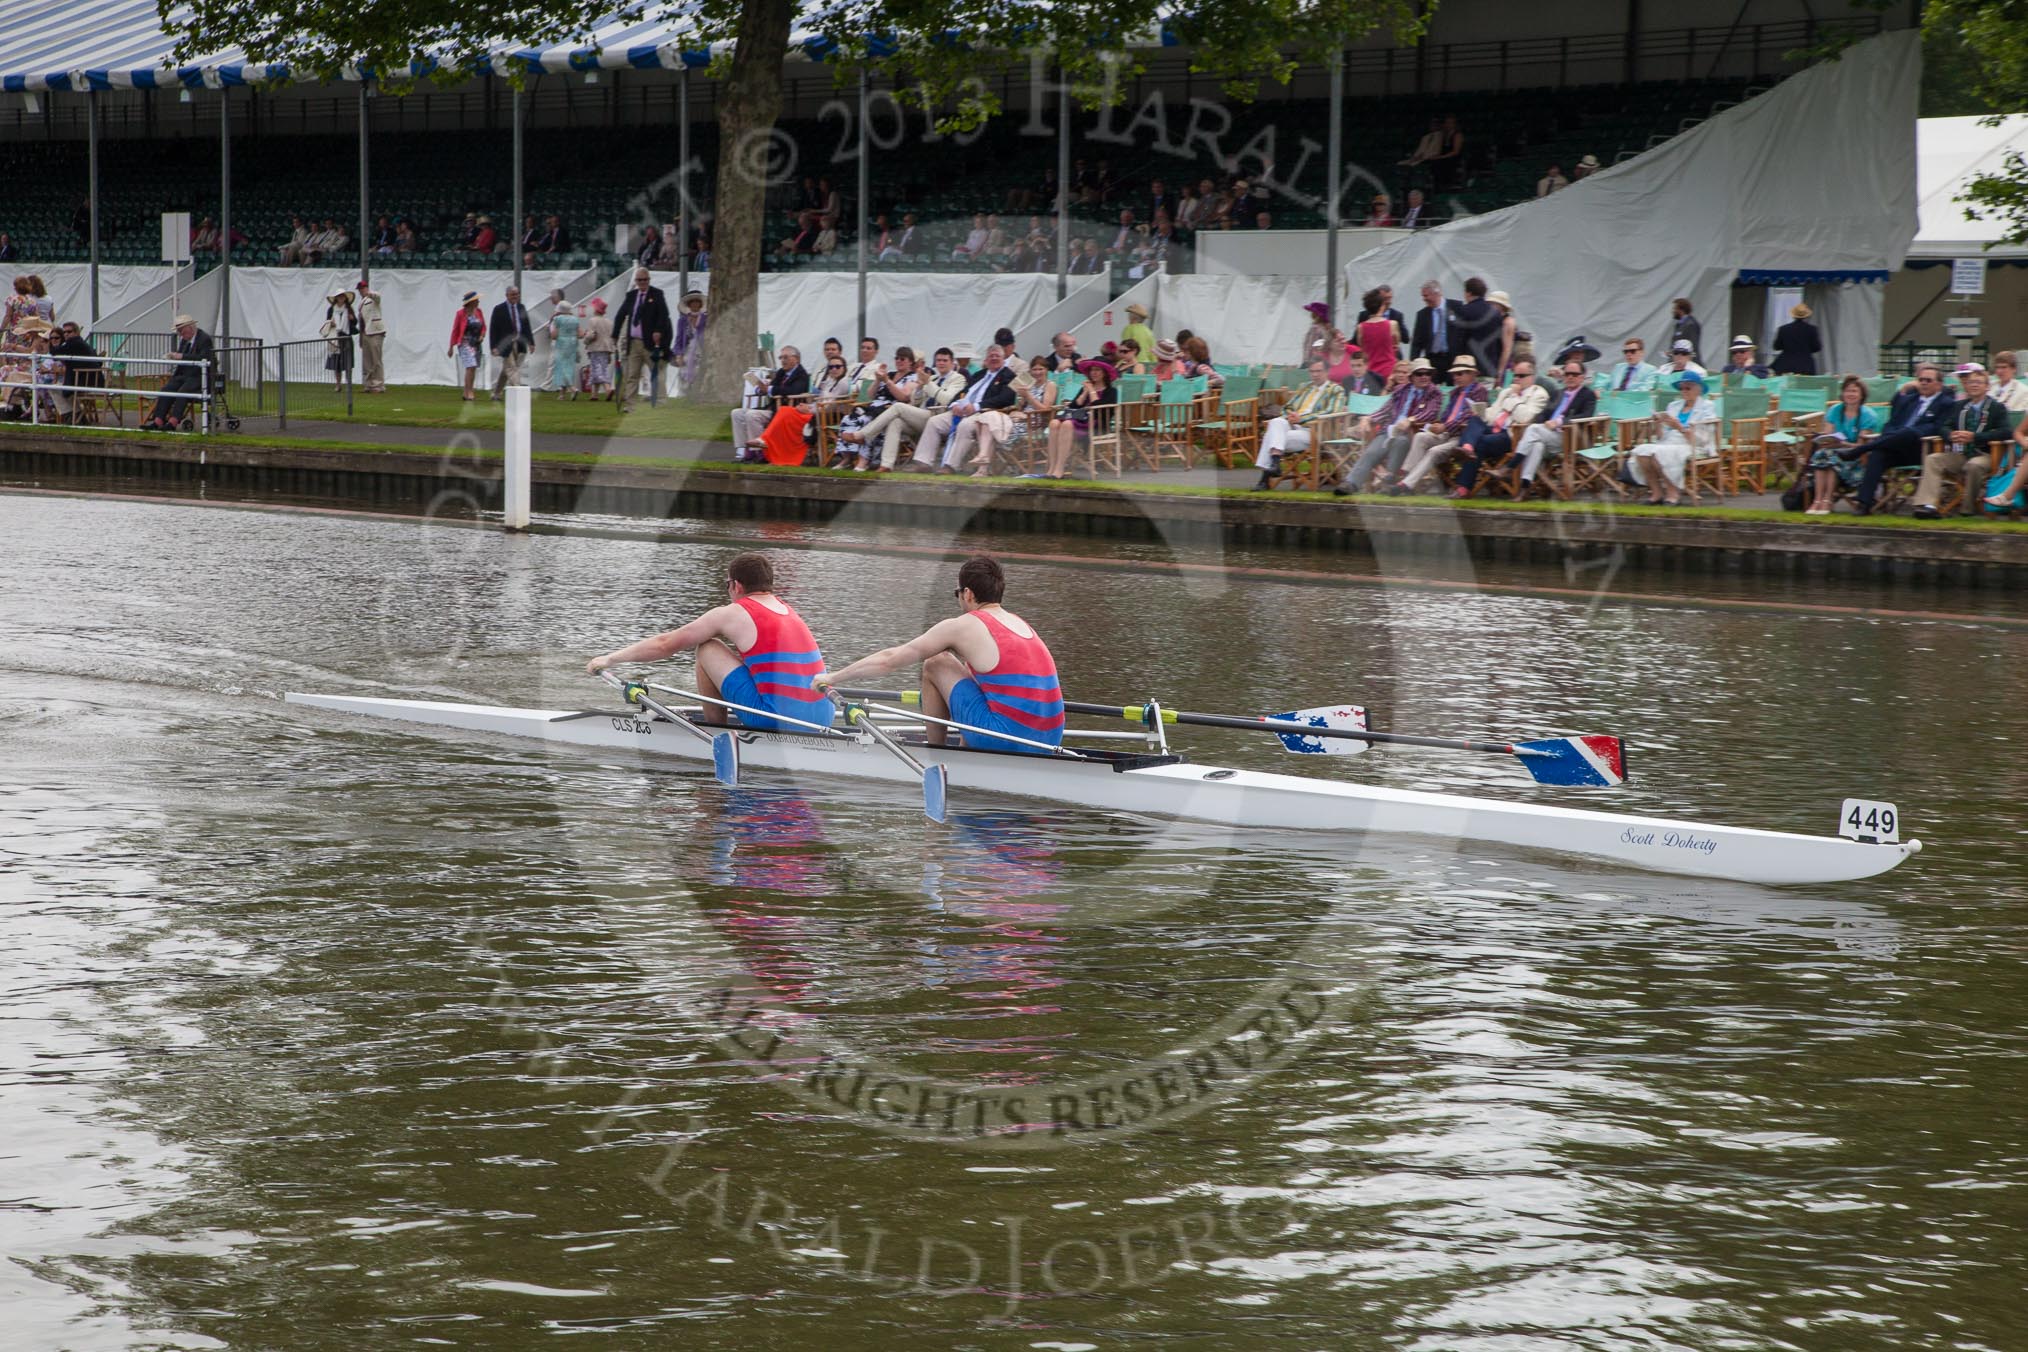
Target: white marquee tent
(1812,184)
(1950,151)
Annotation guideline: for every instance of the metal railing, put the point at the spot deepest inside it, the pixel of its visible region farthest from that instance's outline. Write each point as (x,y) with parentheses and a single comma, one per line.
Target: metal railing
(1901,359)
(96,379)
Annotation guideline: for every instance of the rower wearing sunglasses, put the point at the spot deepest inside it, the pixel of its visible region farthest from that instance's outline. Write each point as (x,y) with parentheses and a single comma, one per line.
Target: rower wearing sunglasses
(986,669)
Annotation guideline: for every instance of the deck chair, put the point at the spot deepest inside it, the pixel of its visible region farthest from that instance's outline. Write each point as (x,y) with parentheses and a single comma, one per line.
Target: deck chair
(1230,432)
(1340,444)
(1743,420)
(1159,430)
(1591,459)
(1788,445)
(1707,467)
(1103,449)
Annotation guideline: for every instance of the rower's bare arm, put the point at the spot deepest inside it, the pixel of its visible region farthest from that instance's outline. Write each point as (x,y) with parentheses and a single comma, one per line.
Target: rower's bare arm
(710,625)
(943,637)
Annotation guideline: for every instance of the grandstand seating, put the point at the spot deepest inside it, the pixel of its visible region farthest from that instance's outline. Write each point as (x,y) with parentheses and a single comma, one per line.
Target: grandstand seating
(593,177)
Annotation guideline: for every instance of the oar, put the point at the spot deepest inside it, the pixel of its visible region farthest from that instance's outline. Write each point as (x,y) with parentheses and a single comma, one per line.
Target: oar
(1590,759)
(936,779)
(724,750)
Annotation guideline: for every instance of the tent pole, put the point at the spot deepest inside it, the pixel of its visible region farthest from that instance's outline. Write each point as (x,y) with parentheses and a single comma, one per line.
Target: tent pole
(683,188)
(92,137)
(1336,155)
(1062,185)
(365,254)
(224,211)
(865,182)
(514,226)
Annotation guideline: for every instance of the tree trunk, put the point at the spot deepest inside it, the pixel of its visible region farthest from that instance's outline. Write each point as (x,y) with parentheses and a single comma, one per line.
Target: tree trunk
(749,103)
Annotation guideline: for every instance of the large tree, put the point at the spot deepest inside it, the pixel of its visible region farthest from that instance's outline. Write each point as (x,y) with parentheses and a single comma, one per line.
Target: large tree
(934,48)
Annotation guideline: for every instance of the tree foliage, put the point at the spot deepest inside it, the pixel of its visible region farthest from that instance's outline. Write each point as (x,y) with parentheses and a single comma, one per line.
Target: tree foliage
(1993,35)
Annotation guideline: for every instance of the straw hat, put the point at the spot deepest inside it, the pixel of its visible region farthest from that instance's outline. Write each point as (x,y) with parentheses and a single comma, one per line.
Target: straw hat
(1167,351)
(1799,311)
(1137,311)
(1422,367)
(1588,162)
(1683,345)
(1463,361)
(693,294)
(1740,340)
(1501,299)
(1091,364)
(343,294)
(180,321)
(34,324)
(470,296)
(964,351)
(1579,348)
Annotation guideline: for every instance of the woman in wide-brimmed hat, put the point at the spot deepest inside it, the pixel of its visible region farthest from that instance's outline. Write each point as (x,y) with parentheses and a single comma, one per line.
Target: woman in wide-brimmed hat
(1316,338)
(341,326)
(1661,466)
(687,348)
(1072,423)
(1514,345)
(468,339)
(1138,330)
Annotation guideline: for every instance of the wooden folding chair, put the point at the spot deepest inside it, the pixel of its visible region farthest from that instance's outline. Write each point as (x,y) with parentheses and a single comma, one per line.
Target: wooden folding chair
(1707,466)
(1160,430)
(1589,459)
(1338,444)
(1231,432)
(1744,420)
(1104,448)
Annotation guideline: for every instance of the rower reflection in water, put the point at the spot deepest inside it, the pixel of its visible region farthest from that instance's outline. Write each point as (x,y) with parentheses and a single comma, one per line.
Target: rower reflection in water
(986,669)
(754,653)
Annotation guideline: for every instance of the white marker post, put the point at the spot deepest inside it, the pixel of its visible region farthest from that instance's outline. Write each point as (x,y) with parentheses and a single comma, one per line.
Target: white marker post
(515,503)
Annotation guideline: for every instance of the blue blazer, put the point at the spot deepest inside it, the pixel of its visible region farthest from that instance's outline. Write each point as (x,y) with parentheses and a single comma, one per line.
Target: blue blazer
(1933,424)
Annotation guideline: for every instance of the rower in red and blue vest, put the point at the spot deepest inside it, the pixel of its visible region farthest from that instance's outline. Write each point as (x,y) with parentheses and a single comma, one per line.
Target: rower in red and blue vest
(765,663)
(987,669)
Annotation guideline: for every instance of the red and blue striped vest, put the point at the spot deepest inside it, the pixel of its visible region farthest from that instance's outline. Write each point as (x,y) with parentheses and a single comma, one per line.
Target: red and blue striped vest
(784,659)
(1022,687)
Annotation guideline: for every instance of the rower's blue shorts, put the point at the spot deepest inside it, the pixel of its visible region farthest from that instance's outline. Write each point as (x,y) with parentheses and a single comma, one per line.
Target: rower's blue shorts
(968,706)
(738,687)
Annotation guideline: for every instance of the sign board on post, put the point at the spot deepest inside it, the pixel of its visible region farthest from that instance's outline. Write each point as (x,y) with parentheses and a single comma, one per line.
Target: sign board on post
(1964,326)
(1968,276)
(175,237)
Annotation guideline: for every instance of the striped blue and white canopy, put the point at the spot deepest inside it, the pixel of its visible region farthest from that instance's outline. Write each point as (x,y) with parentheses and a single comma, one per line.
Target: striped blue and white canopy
(120,44)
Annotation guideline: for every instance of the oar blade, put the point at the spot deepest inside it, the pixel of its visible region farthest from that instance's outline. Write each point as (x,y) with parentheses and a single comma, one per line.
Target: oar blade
(1345,717)
(725,759)
(936,792)
(1594,761)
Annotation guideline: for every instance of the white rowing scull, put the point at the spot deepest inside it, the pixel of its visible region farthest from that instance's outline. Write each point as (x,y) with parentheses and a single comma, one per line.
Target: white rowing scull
(1170,786)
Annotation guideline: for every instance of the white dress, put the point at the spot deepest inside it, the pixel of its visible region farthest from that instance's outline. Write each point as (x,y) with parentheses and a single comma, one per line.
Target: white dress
(1674,450)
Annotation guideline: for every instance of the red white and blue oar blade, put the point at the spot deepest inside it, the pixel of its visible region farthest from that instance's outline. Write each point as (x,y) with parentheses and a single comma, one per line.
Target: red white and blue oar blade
(725,759)
(1594,760)
(1347,717)
(936,791)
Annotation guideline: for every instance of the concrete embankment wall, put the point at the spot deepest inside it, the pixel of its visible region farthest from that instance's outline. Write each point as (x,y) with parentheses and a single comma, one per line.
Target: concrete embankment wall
(449,481)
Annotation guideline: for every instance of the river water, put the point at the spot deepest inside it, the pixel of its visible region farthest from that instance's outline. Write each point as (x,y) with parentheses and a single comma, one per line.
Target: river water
(324,1033)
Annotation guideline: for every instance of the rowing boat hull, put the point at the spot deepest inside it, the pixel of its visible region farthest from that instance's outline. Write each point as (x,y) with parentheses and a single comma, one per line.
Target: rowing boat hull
(1239,798)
